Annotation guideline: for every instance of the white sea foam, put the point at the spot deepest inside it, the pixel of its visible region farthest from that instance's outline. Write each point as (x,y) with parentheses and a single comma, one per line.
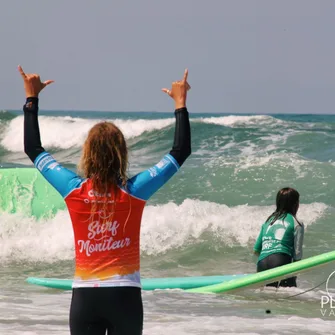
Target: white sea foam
(242,120)
(164,227)
(66,132)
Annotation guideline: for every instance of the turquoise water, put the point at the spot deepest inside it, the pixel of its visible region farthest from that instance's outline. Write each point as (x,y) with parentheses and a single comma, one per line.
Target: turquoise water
(203,222)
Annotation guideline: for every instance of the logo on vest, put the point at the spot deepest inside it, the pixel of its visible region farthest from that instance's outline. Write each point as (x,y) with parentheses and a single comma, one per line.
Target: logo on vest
(95,194)
(101,238)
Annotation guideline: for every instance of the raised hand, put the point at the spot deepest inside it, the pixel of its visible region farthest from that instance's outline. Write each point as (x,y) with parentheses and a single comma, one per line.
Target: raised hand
(178,91)
(32,83)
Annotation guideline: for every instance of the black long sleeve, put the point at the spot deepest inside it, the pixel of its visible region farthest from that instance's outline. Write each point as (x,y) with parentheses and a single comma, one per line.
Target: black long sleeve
(32,139)
(182,137)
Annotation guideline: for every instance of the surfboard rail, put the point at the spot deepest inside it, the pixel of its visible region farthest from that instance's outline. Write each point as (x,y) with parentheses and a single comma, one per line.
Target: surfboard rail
(262,278)
(147,283)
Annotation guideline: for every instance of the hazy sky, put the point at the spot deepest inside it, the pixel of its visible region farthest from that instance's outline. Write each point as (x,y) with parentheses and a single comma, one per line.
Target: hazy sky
(243,55)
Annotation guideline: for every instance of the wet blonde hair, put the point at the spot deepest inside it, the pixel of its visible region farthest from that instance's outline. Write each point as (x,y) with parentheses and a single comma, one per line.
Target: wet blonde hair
(105,157)
(104,161)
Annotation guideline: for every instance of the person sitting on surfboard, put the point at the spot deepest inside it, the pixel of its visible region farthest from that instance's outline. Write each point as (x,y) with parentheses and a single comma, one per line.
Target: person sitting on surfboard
(281,237)
(106,212)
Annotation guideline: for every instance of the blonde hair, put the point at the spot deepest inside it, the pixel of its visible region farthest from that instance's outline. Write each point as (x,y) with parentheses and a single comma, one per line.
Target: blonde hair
(104,161)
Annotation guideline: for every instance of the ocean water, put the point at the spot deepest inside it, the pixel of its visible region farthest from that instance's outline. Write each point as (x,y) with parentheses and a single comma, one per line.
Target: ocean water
(204,221)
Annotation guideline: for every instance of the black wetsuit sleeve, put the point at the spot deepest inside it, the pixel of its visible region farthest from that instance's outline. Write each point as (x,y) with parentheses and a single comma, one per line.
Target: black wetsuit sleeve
(32,140)
(182,137)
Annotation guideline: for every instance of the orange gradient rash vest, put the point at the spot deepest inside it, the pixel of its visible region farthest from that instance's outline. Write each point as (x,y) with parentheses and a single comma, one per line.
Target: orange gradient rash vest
(106,226)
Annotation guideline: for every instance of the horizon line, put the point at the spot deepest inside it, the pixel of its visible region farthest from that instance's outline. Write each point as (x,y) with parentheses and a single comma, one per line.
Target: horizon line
(161,112)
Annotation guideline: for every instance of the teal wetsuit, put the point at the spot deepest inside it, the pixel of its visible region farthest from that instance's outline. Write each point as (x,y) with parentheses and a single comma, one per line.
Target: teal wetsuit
(284,236)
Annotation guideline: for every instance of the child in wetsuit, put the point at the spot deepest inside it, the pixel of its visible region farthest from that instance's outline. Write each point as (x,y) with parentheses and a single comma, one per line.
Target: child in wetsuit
(281,237)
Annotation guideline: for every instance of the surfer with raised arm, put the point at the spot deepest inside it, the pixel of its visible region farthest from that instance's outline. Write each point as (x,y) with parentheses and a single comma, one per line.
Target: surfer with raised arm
(281,237)
(106,211)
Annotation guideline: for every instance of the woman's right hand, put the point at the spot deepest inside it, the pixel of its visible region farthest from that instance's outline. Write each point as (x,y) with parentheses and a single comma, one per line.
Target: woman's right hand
(178,91)
(33,84)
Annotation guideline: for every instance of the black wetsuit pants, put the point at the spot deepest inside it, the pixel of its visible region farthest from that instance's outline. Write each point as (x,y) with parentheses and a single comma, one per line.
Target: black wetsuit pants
(115,310)
(273,261)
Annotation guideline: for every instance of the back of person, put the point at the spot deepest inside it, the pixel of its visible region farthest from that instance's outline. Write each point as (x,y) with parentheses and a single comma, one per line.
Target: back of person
(278,237)
(281,237)
(108,246)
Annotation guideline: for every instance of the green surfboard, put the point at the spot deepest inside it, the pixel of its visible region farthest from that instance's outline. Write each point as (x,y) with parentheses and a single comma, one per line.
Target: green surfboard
(261,278)
(213,284)
(147,283)
(24,190)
